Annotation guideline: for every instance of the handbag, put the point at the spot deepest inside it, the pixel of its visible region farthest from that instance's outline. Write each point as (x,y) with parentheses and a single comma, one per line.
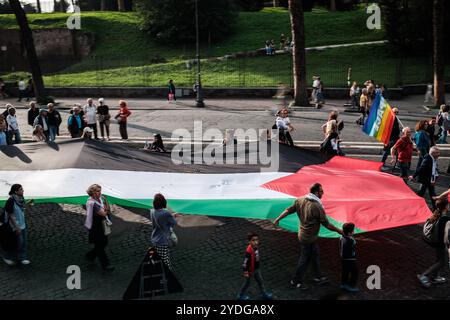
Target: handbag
(173,239)
(107,226)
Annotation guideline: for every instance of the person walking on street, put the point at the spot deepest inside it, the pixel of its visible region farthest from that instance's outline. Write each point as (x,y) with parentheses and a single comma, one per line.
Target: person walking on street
(15,216)
(171,94)
(22,89)
(427,174)
(395,135)
(251,268)
(163,221)
(54,121)
(311,215)
(33,112)
(90,116)
(104,118)
(347,252)
(441,221)
(13,127)
(402,152)
(422,140)
(98,223)
(122,117)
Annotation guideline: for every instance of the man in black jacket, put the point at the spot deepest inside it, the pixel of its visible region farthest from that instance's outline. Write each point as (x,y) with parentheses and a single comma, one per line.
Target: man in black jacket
(427,173)
(33,112)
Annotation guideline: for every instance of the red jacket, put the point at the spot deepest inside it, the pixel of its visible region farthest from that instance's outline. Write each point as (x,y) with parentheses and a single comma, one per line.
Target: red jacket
(404,147)
(124,113)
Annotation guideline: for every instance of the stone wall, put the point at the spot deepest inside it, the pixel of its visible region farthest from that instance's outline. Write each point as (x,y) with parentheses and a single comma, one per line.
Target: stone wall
(56,48)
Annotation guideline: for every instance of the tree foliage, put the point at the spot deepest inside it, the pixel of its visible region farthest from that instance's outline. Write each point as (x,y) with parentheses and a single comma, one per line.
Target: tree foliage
(173,21)
(409,25)
(250,5)
(5,8)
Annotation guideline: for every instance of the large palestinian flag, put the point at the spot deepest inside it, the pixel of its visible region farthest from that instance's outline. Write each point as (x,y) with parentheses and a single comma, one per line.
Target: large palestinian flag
(355,190)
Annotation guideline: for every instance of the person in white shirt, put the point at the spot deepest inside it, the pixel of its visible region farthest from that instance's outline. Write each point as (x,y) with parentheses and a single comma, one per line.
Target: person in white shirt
(284,127)
(22,89)
(13,126)
(90,116)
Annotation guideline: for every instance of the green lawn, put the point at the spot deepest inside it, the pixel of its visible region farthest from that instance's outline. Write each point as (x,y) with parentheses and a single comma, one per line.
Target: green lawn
(369,62)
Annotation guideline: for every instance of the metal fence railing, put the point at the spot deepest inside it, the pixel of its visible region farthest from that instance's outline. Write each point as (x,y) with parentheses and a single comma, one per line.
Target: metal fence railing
(258,71)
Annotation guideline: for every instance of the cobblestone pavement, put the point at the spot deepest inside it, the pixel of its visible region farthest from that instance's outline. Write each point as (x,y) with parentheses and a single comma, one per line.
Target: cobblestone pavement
(208,260)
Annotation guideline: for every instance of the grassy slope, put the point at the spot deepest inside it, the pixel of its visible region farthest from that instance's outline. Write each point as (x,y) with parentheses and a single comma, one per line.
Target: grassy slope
(118,37)
(375,62)
(123,53)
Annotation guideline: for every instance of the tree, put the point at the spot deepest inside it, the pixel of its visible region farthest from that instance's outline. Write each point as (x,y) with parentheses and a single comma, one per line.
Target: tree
(121,5)
(409,25)
(173,21)
(103,5)
(438,52)
(38,3)
(298,53)
(27,39)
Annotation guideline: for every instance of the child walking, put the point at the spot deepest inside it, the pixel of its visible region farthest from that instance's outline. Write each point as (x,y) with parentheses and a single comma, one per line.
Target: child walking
(251,268)
(347,251)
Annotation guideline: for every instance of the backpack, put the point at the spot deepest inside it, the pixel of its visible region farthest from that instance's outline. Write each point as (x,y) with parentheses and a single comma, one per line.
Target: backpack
(340,125)
(431,232)
(440,119)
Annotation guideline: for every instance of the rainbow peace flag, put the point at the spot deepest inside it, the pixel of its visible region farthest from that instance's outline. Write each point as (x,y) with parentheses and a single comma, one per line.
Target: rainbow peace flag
(381,120)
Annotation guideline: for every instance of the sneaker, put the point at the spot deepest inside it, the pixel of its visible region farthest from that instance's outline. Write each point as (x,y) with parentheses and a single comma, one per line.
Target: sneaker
(424,281)
(321,280)
(439,280)
(299,285)
(350,289)
(267,296)
(243,297)
(9,262)
(25,262)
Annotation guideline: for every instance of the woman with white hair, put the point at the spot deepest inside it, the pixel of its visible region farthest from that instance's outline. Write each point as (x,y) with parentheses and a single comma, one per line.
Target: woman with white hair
(103,118)
(98,224)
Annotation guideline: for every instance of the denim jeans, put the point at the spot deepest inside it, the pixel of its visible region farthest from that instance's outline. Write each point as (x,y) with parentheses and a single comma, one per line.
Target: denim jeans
(259,280)
(21,250)
(16,135)
(443,137)
(308,252)
(52,132)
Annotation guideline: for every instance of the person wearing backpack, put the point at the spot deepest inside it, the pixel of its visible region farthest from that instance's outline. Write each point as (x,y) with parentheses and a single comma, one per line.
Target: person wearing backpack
(443,121)
(433,234)
(15,212)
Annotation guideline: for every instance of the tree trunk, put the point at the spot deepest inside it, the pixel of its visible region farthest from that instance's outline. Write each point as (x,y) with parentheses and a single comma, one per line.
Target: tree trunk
(275,3)
(298,53)
(38,6)
(438,52)
(27,39)
(121,5)
(333,5)
(103,5)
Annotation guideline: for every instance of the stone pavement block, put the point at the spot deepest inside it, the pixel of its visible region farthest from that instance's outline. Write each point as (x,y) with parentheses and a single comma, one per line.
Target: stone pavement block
(210,268)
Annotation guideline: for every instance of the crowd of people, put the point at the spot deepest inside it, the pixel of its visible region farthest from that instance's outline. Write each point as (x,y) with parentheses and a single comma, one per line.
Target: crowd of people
(83,121)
